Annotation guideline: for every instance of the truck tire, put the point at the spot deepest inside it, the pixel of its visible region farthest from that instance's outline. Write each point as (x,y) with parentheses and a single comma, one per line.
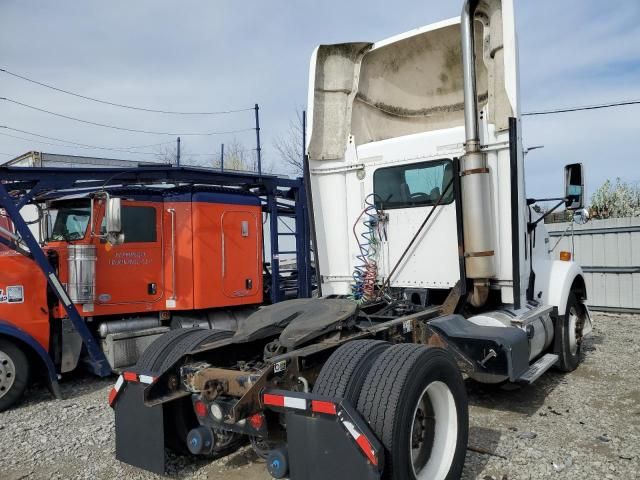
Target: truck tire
(167,350)
(343,374)
(415,401)
(14,373)
(569,331)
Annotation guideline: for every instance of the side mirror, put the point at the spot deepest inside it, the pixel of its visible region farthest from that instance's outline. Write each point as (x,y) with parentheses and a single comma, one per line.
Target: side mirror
(46,226)
(582,216)
(113,216)
(574,186)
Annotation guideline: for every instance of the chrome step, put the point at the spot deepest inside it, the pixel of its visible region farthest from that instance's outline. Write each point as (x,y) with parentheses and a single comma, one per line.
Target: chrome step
(537,369)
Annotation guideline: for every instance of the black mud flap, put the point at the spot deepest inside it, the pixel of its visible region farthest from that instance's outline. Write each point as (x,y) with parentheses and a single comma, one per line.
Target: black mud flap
(327,438)
(139,430)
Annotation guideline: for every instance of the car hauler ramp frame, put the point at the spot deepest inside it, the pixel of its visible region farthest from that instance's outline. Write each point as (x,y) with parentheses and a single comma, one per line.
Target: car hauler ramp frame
(280,198)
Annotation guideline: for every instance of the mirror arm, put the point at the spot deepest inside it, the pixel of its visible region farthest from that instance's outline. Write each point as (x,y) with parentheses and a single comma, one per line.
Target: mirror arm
(532,225)
(531,201)
(91,217)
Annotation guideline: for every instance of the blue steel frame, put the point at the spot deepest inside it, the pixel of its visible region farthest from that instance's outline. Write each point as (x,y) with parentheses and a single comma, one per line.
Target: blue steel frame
(22,186)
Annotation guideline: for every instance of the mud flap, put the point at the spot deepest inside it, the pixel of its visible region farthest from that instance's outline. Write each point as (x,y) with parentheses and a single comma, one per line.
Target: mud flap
(327,439)
(139,430)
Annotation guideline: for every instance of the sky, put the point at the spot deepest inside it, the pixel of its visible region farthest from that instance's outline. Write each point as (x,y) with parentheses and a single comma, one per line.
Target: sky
(217,55)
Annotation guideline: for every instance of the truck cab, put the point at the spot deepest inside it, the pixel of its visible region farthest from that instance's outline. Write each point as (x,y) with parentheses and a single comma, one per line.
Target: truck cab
(179,258)
(418,175)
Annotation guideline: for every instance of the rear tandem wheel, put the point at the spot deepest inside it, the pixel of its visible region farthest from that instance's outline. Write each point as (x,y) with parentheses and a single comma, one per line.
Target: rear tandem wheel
(415,401)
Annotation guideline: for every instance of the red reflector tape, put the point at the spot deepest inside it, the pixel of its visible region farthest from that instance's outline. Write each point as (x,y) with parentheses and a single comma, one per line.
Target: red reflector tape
(283,401)
(115,390)
(362,442)
(112,396)
(130,377)
(319,406)
(366,447)
(273,400)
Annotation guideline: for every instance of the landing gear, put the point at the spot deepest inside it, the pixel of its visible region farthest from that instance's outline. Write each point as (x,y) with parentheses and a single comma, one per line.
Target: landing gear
(14,373)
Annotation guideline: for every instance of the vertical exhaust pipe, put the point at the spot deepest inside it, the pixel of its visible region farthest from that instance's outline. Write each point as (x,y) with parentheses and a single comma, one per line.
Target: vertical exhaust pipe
(476,182)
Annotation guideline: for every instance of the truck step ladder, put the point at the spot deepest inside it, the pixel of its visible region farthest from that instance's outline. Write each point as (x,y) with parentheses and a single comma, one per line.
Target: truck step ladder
(537,369)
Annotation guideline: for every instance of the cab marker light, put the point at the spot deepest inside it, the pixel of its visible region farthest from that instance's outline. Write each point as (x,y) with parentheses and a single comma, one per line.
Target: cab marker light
(565,256)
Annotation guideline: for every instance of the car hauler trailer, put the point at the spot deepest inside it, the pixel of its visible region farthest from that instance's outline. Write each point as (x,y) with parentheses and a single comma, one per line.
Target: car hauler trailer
(188,252)
(433,263)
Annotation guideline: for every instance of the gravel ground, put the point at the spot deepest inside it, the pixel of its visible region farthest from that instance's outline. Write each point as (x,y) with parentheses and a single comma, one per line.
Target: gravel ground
(585,425)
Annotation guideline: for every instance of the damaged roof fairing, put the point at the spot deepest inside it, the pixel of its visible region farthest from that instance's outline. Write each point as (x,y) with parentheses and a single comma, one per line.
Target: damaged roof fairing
(411,83)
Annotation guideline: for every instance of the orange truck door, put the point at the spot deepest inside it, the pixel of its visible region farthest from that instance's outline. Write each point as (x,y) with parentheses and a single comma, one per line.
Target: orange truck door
(241,262)
(133,271)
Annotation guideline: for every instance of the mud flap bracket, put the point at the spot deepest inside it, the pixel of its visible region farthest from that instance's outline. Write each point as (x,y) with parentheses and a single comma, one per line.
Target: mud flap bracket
(326,438)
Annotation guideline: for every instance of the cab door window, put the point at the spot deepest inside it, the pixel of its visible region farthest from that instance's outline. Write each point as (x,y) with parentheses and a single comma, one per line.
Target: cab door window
(138,224)
(413,185)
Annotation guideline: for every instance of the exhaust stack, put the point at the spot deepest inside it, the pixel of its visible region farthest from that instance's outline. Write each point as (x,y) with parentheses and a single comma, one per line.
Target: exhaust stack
(476,184)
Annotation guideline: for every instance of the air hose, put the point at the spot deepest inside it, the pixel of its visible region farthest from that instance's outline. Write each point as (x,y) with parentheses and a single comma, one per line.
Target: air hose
(365,273)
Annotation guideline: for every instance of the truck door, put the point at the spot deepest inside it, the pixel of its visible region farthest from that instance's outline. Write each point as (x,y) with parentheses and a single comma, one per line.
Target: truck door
(241,262)
(407,193)
(133,271)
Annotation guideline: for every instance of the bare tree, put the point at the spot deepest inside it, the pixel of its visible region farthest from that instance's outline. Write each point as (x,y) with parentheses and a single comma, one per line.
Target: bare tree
(167,154)
(237,157)
(289,145)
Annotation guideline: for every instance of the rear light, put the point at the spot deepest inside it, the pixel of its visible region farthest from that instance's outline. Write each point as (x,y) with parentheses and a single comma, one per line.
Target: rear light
(565,256)
(256,421)
(216,411)
(201,408)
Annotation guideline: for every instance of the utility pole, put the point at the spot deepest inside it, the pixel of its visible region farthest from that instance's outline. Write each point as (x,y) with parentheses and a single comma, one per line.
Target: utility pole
(258,149)
(178,153)
(222,157)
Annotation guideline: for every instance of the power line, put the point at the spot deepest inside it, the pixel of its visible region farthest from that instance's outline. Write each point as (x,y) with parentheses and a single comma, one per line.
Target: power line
(82,144)
(115,127)
(582,108)
(76,146)
(71,144)
(114,104)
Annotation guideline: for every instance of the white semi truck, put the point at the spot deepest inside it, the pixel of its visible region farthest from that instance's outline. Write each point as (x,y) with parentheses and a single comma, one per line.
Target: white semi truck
(432,265)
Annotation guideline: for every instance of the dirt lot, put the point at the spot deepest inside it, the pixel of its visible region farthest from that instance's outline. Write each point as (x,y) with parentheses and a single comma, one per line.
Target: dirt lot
(585,425)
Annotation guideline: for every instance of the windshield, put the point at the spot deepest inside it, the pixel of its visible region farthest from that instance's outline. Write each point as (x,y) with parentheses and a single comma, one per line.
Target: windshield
(70,220)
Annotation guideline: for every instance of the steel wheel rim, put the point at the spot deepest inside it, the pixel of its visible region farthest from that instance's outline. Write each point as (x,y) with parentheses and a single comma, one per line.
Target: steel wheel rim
(573,331)
(7,373)
(438,445)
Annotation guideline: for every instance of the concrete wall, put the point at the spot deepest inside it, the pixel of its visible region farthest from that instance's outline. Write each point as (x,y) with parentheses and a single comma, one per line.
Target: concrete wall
(609,252)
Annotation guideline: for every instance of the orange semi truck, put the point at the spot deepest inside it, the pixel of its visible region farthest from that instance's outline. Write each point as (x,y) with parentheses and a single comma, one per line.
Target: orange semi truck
(187,256)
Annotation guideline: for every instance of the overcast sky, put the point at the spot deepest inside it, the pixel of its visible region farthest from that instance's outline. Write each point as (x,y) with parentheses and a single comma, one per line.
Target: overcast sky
(218,55)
